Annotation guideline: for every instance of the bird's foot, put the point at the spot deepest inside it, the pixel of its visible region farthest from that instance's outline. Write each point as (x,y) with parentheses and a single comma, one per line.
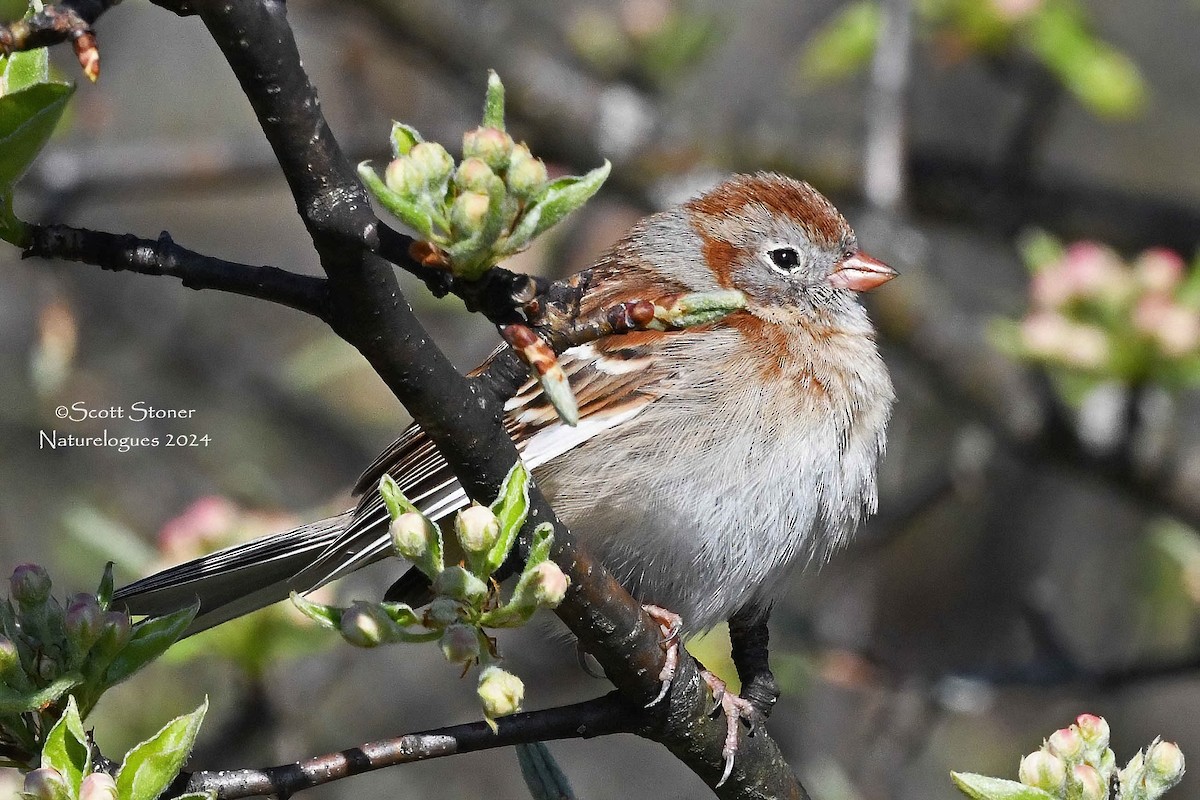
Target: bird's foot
(736,710)
(670,624)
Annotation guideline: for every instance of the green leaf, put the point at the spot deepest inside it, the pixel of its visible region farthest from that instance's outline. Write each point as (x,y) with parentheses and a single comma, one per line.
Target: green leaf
(13,702)
(66,748)
(411,214)
(323,615)
(404,138)
(12,230)
(149,768)
(511,508)
(27,118)
(493,104)
(150,639)
(981,787)
(105,592)
(553,203)
(394,499)
(539,548)
(400,613)
(844,45)
(22,70)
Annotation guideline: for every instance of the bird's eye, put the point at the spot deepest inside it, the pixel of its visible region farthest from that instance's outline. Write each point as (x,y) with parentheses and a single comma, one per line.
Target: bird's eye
(785,258)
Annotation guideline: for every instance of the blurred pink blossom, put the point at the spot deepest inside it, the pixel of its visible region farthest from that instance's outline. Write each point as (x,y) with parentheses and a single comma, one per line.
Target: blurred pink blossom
(1052,336)
(1013,10)
(202,526)
(1159,270)
(1095,271)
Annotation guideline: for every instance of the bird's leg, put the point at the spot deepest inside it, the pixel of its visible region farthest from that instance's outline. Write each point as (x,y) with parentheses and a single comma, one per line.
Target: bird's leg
(670,624)
(735,709)
(748,638)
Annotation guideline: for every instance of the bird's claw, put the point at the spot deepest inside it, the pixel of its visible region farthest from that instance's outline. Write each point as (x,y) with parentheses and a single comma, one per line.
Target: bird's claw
(736,709)
(670,624)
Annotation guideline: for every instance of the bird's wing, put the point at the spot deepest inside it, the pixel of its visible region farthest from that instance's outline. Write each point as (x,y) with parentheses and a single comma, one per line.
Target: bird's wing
(613,382)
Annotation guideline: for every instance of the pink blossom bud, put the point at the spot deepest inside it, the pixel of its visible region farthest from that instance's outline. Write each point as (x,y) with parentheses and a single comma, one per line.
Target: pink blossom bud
(1043,771)
(84,620)
(1051,288)
(1066,743)
(410,535)
(468,212)
(1087,347)
(460,643)
(473,175)
(432,162)
(1094,731)
(46,783)
(1092,786)
(1159,270)
(500,691)
(526,175)
(98,786)
(1016,10)
(403,177)
(117,630)
(1164,765)
(549,584)
(492,145)
(30,585)
(364,625)
(1095,271)
(441,612)
(477,529)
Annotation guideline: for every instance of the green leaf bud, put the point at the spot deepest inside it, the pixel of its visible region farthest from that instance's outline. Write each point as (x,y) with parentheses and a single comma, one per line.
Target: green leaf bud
(460,643)
(473,175)
(30,585)
(500,692)
(492,145)
(46,783)
(477,529)
(363,625)
(526,175)
(98,786)
(1043,771)
(459,584)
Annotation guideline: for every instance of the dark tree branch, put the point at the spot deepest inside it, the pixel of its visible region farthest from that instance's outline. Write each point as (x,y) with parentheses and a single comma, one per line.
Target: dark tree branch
(125,252)
(600,717)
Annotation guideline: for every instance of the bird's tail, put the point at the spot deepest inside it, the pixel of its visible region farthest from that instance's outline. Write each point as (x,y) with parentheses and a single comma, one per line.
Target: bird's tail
(242,578)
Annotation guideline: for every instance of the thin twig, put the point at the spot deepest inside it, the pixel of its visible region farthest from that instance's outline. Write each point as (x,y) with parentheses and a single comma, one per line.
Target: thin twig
(161,256)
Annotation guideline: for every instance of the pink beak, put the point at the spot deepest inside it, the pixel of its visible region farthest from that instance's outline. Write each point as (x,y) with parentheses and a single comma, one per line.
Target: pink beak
(861,273)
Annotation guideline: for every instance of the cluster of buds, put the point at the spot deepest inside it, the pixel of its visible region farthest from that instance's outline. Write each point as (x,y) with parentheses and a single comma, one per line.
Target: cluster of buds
(493,204)
(1076,763)
(66,769)
(1096,317)
(466,599)
(51,650)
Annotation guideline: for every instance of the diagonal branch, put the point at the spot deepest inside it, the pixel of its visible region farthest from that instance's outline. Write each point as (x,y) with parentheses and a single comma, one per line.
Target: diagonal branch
(125,252)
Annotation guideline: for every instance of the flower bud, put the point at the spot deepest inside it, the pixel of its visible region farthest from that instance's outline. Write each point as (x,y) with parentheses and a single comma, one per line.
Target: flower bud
(1164,765)
(1044,771)
(500,691)
(459,584)
(433,162)
(492,145)
(98,786)
(30,585)
(443,611)
(84,620)
(1093,729)
(526,174)
(1092,787)
(473,175)
(477,529)
(549,584)
(410,535)
(1159,270)
(10,656)
(468,213)
(364,625)
(403,177)
(46,783)
(119,627)
(1066,743)
(460,643)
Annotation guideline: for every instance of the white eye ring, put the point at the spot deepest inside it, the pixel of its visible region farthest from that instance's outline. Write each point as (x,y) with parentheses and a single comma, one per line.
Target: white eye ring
(783,258)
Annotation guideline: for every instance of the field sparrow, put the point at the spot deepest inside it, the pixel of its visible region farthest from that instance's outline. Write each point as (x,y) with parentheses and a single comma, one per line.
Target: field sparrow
(707,461)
